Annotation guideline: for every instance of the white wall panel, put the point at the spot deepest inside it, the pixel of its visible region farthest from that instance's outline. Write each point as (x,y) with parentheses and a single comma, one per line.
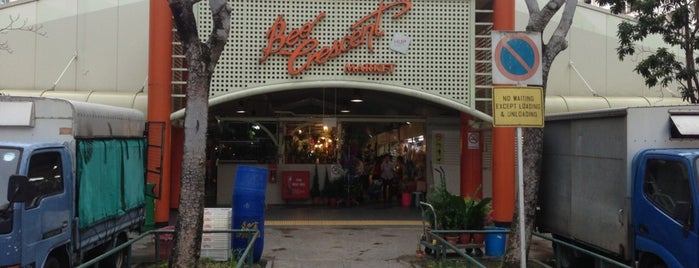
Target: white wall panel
(109,37)
(587,53)
(592,49)
(97,45)
(445,156)
(132,47)
(54,52)
(17,68)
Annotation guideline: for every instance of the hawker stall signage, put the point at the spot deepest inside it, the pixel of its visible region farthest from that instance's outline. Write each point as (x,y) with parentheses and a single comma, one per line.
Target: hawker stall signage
(304,50)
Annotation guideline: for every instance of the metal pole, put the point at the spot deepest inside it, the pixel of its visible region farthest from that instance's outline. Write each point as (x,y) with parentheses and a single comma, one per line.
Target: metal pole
(520,197)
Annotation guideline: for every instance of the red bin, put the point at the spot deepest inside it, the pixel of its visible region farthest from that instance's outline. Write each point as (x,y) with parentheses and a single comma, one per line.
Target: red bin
(405,200)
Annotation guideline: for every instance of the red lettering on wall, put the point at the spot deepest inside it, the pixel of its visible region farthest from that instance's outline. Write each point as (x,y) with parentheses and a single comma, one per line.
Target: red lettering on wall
(299,47)
(370,68)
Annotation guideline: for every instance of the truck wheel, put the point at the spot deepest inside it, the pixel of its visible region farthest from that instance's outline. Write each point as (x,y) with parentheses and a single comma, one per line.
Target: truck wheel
(571,258)
(118,259)
(648,260)
(52,262)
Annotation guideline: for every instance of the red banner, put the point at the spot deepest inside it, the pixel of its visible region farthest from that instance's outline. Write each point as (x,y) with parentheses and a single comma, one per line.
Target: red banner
(296,185)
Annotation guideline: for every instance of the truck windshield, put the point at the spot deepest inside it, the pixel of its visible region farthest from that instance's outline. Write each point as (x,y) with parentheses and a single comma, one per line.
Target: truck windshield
(9,165)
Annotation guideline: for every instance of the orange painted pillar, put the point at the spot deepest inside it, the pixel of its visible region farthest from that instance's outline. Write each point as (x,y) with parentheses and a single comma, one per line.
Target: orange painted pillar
(159,95)
(177,152)
(471,159)
(504,183)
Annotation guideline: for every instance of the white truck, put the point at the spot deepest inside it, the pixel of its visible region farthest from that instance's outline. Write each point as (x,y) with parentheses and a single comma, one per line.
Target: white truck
(71,181)
(623,183)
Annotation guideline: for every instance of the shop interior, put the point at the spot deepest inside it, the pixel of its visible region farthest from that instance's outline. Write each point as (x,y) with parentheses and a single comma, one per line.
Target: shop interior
(338,144)
(349,154)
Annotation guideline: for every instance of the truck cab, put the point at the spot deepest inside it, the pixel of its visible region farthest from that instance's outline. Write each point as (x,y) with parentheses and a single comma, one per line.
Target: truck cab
(664,218)
(38,221)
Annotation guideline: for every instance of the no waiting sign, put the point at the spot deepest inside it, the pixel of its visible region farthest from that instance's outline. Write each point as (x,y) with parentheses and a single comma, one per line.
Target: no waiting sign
(516,58)
(518,107)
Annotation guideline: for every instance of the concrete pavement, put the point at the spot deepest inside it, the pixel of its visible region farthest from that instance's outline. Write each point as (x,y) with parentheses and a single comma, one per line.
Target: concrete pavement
(322,246)
(373,235)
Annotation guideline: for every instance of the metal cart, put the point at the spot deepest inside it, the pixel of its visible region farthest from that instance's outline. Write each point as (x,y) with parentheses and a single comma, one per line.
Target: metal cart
(426,239)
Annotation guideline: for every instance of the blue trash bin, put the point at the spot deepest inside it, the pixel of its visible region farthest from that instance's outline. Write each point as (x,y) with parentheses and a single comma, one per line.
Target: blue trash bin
(495,242)
(249,207)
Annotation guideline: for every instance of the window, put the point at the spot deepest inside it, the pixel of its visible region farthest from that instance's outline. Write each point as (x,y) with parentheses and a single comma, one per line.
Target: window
(246,142)
(45,176)
(9,165)
(666,184)
(13,2)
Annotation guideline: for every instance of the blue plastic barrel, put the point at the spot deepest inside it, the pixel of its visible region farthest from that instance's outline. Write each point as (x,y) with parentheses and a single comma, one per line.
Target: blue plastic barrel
(249,207)
(495,242)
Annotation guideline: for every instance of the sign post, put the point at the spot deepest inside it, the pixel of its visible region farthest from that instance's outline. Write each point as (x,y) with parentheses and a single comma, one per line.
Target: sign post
(517,60)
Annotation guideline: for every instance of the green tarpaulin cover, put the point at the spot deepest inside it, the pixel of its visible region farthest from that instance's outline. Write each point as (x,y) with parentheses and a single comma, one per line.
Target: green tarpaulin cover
(110,177)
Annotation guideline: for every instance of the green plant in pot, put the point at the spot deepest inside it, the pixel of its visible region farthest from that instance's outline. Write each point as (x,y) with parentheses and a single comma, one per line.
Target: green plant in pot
(439,199)
(450,210)
(455,216)
(476,215)
(459,209)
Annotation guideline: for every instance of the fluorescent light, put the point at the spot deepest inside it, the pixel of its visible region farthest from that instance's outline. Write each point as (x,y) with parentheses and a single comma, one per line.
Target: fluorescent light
(356,97)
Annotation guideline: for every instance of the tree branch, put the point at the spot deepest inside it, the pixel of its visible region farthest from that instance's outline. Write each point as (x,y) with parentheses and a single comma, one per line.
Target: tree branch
(539,19)
(12,26)
(221,17)
(533,7)
(23,27)
(557,42)
(561,31)
(185,21)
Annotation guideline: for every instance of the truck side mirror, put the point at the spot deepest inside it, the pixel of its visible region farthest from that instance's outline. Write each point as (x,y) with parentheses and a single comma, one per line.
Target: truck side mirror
(18,189)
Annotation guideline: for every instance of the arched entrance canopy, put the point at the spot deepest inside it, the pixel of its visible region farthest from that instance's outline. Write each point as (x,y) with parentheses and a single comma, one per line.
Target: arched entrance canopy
(461,107)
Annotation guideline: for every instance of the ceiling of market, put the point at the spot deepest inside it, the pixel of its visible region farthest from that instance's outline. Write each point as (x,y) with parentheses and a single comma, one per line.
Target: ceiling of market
(379,111)
(330,103)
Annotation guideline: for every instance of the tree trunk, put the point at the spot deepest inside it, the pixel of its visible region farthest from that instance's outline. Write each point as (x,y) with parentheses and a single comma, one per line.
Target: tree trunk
(190,218)
(201,63)
(532,154)
(533,138)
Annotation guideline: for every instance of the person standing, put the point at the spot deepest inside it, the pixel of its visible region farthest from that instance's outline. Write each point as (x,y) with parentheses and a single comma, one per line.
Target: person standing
(387,177)
(375,181)
(362,178)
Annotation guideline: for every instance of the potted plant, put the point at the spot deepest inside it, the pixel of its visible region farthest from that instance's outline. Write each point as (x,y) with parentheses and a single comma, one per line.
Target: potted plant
(450,210)
(455,216)
(439,199)
(476,215)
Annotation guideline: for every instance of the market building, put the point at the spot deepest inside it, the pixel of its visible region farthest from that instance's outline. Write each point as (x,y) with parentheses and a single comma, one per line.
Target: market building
(308,87)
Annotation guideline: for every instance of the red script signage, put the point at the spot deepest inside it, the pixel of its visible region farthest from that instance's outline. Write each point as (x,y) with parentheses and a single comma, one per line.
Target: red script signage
(297,44)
